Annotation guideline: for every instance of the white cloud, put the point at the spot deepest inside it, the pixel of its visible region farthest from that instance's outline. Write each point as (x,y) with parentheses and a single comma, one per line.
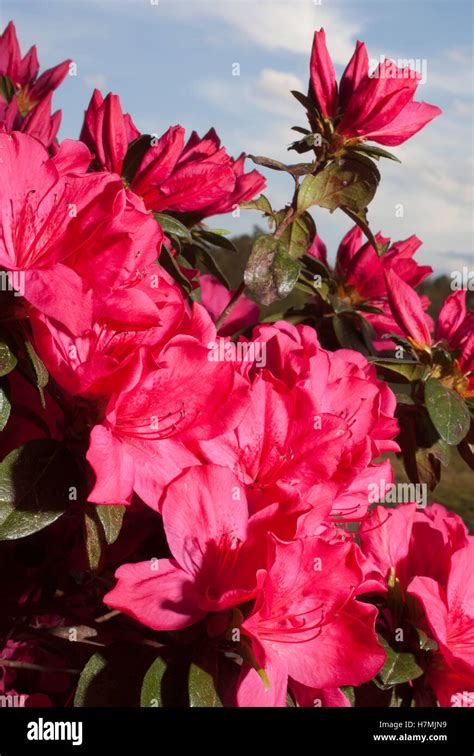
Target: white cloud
(280,24)
(273,92)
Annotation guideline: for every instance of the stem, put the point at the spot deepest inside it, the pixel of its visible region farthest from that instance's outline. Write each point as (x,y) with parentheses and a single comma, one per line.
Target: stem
(228,309)
(37,667)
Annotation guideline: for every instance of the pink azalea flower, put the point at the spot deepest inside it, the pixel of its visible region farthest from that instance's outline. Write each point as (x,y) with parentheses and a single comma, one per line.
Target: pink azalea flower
(449,618)
(305,625)
(215,556)
(29,110)
(426,552)
(359,272)
(99,360)
(379,107)
(455,331)
(401,543)
(407,311)
(69,236)
(175,396)
(198,177)
(316,422)
(107,131)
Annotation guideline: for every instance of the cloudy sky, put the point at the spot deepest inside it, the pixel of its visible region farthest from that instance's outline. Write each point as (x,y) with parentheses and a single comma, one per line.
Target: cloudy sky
(172,61)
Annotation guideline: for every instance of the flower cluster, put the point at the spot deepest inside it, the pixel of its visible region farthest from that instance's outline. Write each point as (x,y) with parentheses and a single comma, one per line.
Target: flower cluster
(220,466)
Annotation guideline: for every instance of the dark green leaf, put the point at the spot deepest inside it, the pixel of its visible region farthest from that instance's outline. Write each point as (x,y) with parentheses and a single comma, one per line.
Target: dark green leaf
(7,360)
(135,154)
(111,517)
(113,677)
(261,203)
(5,408)
(151,696)
(202,688)
(375,152)
(409,369)
(40,372)
(448,412)
(172,227)
(216,240)
(93,534)
(38,481)
(343,183)
(298,236)
(7,89)
(271,273)
(399,667)
(168,262)
(297,169)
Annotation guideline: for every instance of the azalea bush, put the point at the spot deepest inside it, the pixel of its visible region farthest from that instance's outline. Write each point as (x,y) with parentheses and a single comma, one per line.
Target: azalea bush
(197,498)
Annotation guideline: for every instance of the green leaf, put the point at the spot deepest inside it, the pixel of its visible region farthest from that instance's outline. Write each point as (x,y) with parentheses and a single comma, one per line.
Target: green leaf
(375,152)
(343,183)
(8,360)
(38,481)
(168,262)
(410,370)
(202,688)
(151,696)
(426,643)
(135,154)
(399,667)
(447,411)
(298,236)
(113,677)
(172,227)
(41,375)
(347,335)
(96,664)
(111,517)
(7,89)
(349,693)
(271,273)
(5,408)
(93,535)
(260,203)
(207,259)
(216,240)
(297,169)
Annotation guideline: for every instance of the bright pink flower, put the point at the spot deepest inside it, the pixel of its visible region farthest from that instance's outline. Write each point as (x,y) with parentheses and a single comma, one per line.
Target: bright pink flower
(69,236)
(315,423)
(29,109)
(107,131)
(306,626)
(407,311)
(215,297)
(359,273)
(449,618)
(379,107)
(455,331)
(215,559)
(39,122)
(175,395)
(198,177)
(402,543)
(99,360)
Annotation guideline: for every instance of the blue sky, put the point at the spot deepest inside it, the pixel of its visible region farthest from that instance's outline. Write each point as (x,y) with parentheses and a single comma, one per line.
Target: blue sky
(171,62)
